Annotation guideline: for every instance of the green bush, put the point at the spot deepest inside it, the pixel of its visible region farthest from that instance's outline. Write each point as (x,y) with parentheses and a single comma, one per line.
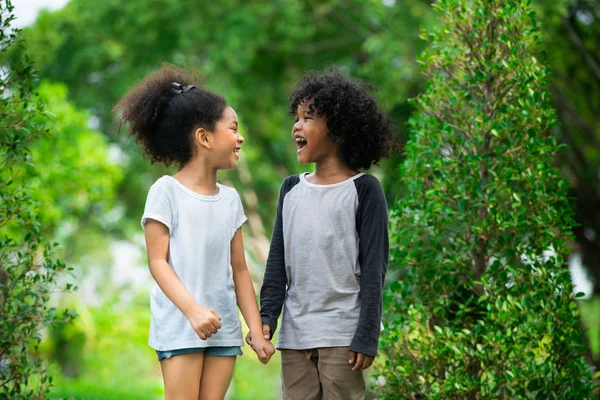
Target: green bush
(481,305)
(28,272)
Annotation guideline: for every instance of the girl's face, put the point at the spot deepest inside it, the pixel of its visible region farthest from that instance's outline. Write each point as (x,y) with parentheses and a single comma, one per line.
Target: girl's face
(226,141)
(309,132)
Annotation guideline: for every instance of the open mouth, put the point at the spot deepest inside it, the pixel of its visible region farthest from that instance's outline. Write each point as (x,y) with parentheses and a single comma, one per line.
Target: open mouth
(236,151)
(300,142)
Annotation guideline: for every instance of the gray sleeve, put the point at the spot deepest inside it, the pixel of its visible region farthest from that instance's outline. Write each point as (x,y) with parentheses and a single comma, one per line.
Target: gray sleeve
(372,228)
(272,292)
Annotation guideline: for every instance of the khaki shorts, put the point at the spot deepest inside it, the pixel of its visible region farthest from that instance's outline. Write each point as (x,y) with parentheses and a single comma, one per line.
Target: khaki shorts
(320,374)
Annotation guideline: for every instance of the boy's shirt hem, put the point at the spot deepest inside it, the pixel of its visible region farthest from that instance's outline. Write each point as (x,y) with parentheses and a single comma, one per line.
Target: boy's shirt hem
(315,344)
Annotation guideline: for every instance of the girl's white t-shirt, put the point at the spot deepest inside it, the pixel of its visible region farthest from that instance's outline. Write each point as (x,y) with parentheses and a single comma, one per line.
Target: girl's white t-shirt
(201,229)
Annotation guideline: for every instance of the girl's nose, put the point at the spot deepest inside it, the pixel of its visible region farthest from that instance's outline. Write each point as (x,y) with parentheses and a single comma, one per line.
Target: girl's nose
(241,138)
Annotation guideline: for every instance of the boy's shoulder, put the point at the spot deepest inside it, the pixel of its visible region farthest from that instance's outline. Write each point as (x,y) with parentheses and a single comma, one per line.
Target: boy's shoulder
(367,181)
(368,188)
(290,182)
(363,182)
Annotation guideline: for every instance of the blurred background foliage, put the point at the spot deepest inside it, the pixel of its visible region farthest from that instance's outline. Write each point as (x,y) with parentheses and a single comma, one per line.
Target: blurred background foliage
(91,179)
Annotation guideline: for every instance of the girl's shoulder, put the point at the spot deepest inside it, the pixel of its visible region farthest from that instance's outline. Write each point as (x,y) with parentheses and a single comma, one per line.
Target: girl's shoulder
(228,191)
(165,183)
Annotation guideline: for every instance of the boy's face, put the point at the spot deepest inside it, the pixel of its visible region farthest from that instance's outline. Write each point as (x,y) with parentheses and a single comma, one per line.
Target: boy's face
(309,132)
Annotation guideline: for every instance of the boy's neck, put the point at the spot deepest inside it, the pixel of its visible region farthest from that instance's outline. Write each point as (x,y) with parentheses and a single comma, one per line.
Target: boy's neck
(330,171)
(199,177)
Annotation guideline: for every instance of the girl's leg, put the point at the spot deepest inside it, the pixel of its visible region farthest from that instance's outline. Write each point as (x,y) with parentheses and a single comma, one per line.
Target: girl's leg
(216,377)
(181,375)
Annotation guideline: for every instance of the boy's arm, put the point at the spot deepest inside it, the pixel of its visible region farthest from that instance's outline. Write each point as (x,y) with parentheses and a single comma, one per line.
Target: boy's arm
(272,293)
(372,227)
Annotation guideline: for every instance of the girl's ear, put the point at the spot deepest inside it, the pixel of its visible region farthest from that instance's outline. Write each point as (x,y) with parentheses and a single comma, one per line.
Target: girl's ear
(203,138)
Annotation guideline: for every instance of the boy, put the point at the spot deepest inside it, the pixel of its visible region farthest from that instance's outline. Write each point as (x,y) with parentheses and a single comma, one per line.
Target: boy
(329,249)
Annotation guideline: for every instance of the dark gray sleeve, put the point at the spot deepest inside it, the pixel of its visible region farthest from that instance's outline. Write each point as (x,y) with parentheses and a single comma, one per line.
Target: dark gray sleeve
(373,253)
(272,292)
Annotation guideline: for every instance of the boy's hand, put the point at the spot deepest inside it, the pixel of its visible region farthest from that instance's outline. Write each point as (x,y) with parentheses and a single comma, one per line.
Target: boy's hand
(263,348)
(205,321)
(266,334)
(361,361)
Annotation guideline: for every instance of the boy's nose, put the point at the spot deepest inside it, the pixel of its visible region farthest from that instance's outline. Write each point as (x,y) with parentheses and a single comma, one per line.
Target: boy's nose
(296,127)
(241,139)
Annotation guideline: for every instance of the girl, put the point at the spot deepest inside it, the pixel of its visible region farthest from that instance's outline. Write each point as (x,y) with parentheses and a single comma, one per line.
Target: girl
(193,236)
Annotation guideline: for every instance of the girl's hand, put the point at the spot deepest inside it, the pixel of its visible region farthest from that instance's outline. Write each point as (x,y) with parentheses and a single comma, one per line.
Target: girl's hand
(266,332)
(205,321)
(263,348)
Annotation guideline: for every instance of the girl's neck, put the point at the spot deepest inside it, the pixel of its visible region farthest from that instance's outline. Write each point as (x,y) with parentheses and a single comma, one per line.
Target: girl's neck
(199,177)
(330,171)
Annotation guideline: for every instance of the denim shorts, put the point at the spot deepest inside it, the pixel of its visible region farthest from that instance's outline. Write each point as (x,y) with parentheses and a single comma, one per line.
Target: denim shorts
(209,351)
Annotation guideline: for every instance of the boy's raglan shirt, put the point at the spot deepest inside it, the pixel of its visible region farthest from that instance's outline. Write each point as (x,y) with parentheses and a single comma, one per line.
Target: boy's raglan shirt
(327,263)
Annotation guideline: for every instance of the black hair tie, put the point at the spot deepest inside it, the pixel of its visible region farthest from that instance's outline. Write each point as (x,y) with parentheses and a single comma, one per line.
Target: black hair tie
(179,88)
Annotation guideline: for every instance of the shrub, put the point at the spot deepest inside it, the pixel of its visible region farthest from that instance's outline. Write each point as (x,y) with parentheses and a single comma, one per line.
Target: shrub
(28,272)
(481,303)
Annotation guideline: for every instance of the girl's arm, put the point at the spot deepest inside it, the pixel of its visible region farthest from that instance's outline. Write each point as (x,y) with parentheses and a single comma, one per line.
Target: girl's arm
(205,321)
(246,298)
(272,293)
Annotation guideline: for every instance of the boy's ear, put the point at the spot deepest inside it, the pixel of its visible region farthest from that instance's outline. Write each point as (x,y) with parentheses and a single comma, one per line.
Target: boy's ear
(203,138)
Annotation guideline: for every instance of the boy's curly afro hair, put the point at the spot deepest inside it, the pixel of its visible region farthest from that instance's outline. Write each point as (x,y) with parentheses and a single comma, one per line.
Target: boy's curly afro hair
(355,122)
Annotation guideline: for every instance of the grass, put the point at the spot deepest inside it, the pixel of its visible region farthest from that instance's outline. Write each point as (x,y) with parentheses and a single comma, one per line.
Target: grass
(116,362)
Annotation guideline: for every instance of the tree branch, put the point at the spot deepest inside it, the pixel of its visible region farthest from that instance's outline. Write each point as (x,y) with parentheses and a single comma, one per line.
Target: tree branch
(589,59)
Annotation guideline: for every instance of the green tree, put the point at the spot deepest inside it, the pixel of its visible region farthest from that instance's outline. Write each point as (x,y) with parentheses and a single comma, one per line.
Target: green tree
(572,35)
(76,188)
(28,271)
(250,51)
(482,306)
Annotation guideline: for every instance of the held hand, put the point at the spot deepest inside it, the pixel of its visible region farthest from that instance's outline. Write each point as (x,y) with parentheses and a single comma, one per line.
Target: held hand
(266,334)
(361,361)
(263,348)
(205,321)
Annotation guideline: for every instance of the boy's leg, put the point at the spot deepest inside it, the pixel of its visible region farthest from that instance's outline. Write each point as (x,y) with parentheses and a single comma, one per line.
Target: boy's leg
(181,376)
(216,377)
(337,378)
(299,375)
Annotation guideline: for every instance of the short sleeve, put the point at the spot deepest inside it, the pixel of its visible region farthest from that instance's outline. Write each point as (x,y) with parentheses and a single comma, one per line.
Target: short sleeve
(158,207)
(240,216)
